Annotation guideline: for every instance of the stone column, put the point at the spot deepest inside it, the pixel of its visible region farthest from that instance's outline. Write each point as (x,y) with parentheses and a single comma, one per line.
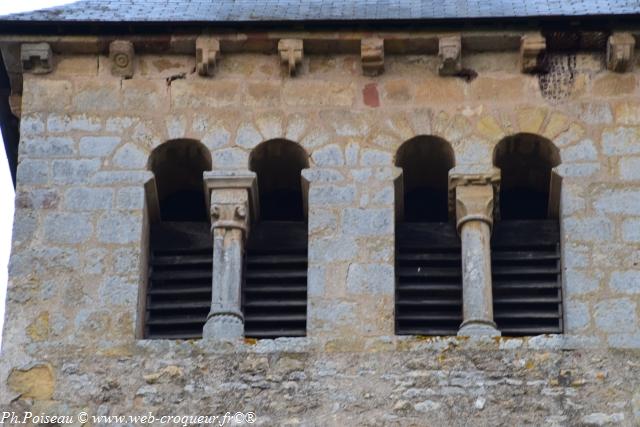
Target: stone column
(474,205)
(232,197)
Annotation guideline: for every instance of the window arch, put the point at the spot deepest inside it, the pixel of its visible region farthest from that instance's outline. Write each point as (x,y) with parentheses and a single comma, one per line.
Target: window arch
(178,297)
(428,264)
(275,287)
(525,246)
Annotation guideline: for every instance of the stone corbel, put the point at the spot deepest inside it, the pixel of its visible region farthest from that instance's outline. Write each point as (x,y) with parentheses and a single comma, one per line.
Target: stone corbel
(121,54)
(291,53)
(232,197)
(474,200)
(620,52)
(372,55)
(450,55)
(36,58)
(207,54)
(533,49)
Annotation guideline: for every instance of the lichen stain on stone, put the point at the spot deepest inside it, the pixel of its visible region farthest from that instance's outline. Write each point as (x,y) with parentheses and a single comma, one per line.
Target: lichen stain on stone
(39,329)
(36,383)
(250,341)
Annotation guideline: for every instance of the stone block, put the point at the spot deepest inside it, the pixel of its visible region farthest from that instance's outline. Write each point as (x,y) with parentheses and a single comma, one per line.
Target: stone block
(631,230)
(577,316)
(435,91)
(625,282)
(322,220)
(97,96)
(371,279)
(316,279)
(370,157)
(74,171)
(626,341)
(347,123)
(118,290)
(145,97)
(585,150)
(46,95)
(621,141)
(368,222)
(331,195)
(322,175)
(47,147)
(88,199)
(616,316)
(129,156)
(333,249)
(130,198)
(122,55)
(630,169)
(31,124)
(618,202)
(190,94)
(230,158)
(397,91)
(248,136)
(33,172)
(330,155)
(98,146)
(67,228)
(588,229)
(580,282)
(609,85)
(119,228)
(318,93)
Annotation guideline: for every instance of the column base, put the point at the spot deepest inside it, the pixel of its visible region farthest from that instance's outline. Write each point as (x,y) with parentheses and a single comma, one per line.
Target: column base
(223,327)
(475,328)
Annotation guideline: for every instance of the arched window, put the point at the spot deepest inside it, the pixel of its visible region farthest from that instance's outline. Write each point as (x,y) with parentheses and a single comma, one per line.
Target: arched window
(275,288)
(428,264)
(525,246)
(180,250)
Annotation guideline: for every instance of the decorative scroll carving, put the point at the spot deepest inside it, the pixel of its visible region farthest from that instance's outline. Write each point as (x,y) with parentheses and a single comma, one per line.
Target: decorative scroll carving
(372,55)
(620,52)
(291,54)
(450,54)
(207,53)
(121,54)
(533,49)
(36,58)
(229,216)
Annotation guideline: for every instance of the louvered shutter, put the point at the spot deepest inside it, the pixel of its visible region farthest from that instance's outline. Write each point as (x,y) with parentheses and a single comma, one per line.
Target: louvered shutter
(275,280)
(428,279)
(180,274)
(527,290)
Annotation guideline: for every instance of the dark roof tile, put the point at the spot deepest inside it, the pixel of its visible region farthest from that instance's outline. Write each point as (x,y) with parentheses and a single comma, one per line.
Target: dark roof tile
(317,10)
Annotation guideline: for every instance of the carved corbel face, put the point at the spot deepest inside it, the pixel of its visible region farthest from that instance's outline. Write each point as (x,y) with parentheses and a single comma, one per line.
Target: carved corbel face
(229,216)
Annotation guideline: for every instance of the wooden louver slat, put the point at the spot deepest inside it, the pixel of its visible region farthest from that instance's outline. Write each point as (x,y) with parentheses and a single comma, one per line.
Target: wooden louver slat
(275,287)
(180,273)
(428,279)
(527,291)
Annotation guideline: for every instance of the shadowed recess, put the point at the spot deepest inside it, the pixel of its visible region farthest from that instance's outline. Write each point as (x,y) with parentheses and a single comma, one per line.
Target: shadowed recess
(425,163)
(525,161)
(278,164)
(178,166)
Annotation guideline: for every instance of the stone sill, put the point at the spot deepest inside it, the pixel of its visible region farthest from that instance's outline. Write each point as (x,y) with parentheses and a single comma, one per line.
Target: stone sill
(378,344)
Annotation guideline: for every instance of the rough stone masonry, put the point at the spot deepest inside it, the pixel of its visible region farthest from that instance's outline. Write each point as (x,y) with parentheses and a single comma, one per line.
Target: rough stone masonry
(88,126)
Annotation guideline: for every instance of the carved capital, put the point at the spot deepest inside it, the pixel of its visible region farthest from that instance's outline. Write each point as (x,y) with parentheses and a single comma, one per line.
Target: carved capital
(533,49)
(291,54)
(474,196)
(450,55)
(36,58)
(207,53)
(372,55)
(232,188)
(620,52)
(230,215)
(121,54)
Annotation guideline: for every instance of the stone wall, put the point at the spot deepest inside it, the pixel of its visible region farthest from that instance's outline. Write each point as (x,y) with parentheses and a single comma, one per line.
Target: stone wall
(77,264)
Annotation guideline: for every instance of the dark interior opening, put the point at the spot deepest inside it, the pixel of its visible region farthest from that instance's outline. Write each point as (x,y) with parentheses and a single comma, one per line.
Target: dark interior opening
(178,167)
(278,164)
(425,163)
(526,162)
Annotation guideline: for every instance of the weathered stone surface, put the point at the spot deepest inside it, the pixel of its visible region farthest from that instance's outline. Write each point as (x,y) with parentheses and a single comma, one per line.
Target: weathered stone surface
(119,228)
(48,147)
(589,229)
(36,382)
(98,146)
(88,199)
(73,171)
(616,315)
(330,155)
(331,195)
(67,228)
(370,279)
(368,222)
(130,157)
(625,282)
